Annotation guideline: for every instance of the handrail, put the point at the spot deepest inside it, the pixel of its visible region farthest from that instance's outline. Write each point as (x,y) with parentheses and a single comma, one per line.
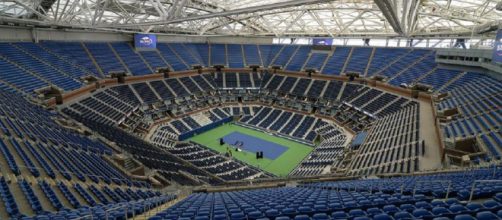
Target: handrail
(433,181)
(481,181)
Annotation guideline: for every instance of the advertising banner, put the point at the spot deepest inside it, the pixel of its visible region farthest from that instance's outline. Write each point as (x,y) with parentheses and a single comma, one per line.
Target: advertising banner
(145,41)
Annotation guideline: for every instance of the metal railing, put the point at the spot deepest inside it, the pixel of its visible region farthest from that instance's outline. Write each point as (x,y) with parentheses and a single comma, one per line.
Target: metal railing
(433,181)
(480,181)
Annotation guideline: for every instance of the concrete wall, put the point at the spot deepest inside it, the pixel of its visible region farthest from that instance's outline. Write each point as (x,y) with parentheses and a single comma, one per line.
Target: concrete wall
(464,60)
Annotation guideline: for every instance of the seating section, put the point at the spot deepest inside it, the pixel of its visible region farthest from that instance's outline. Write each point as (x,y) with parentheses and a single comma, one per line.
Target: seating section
(439,77)
(134,62)
(184,54)
(382,57)
(19,77)
(284,55)
(287,123)
(73,52)
(105,58)
(409,75)
(404,62)
(235,56)
(478,102)
(174,61)
(218,55)
(18,59)
(336,200)
(315,61)
(252,55)
(328,153)
(268,53)
(336,62)
(210,161)
(456,186)
(55,168)
(47,165)
(392,145)
(298,59)
(359,60)
(200,51)
(65,63)
(153,59)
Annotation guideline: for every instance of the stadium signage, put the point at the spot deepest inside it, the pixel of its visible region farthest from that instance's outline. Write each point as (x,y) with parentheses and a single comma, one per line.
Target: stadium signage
(497,48)
(145,41)
(322,41)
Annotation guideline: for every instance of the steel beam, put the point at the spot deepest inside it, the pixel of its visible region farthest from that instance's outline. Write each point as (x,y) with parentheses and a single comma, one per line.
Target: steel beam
(248,10)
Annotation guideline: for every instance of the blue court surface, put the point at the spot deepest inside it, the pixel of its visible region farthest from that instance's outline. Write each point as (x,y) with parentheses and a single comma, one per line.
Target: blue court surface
(253,144)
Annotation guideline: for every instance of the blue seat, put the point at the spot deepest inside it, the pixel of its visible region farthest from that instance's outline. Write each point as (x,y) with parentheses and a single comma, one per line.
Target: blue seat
(486,215)
(403,215)
(437,203)
(382,217)
(498,197)
(423,205)
(272,213)
(302,217)
(321,208)
(220,217)
(291,212)
(282,218)
(474,207)
(362,218)
(391,209)
(422,213)
(407,207)
(457,209)
(237,216)
(374,211)
(255,215)
(339,215)
(305,210)
(464,217)
(452,201)
(440,211)
(335,206)
(320,216)
(492,205)
(356,213)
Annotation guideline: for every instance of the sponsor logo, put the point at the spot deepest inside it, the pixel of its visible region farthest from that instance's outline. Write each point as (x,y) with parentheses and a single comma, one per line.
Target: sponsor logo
(498,50)
(146,41)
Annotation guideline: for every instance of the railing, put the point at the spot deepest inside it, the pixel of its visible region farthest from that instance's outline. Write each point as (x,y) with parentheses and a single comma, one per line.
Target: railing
(433,181)
(480,181)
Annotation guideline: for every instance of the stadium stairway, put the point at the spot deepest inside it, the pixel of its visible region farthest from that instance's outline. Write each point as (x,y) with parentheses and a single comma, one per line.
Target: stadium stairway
(93,60)
(347,59)
(369,62)
(119,58)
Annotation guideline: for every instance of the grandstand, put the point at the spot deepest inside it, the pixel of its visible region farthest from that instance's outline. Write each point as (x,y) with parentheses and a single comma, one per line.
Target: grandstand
(219,109)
